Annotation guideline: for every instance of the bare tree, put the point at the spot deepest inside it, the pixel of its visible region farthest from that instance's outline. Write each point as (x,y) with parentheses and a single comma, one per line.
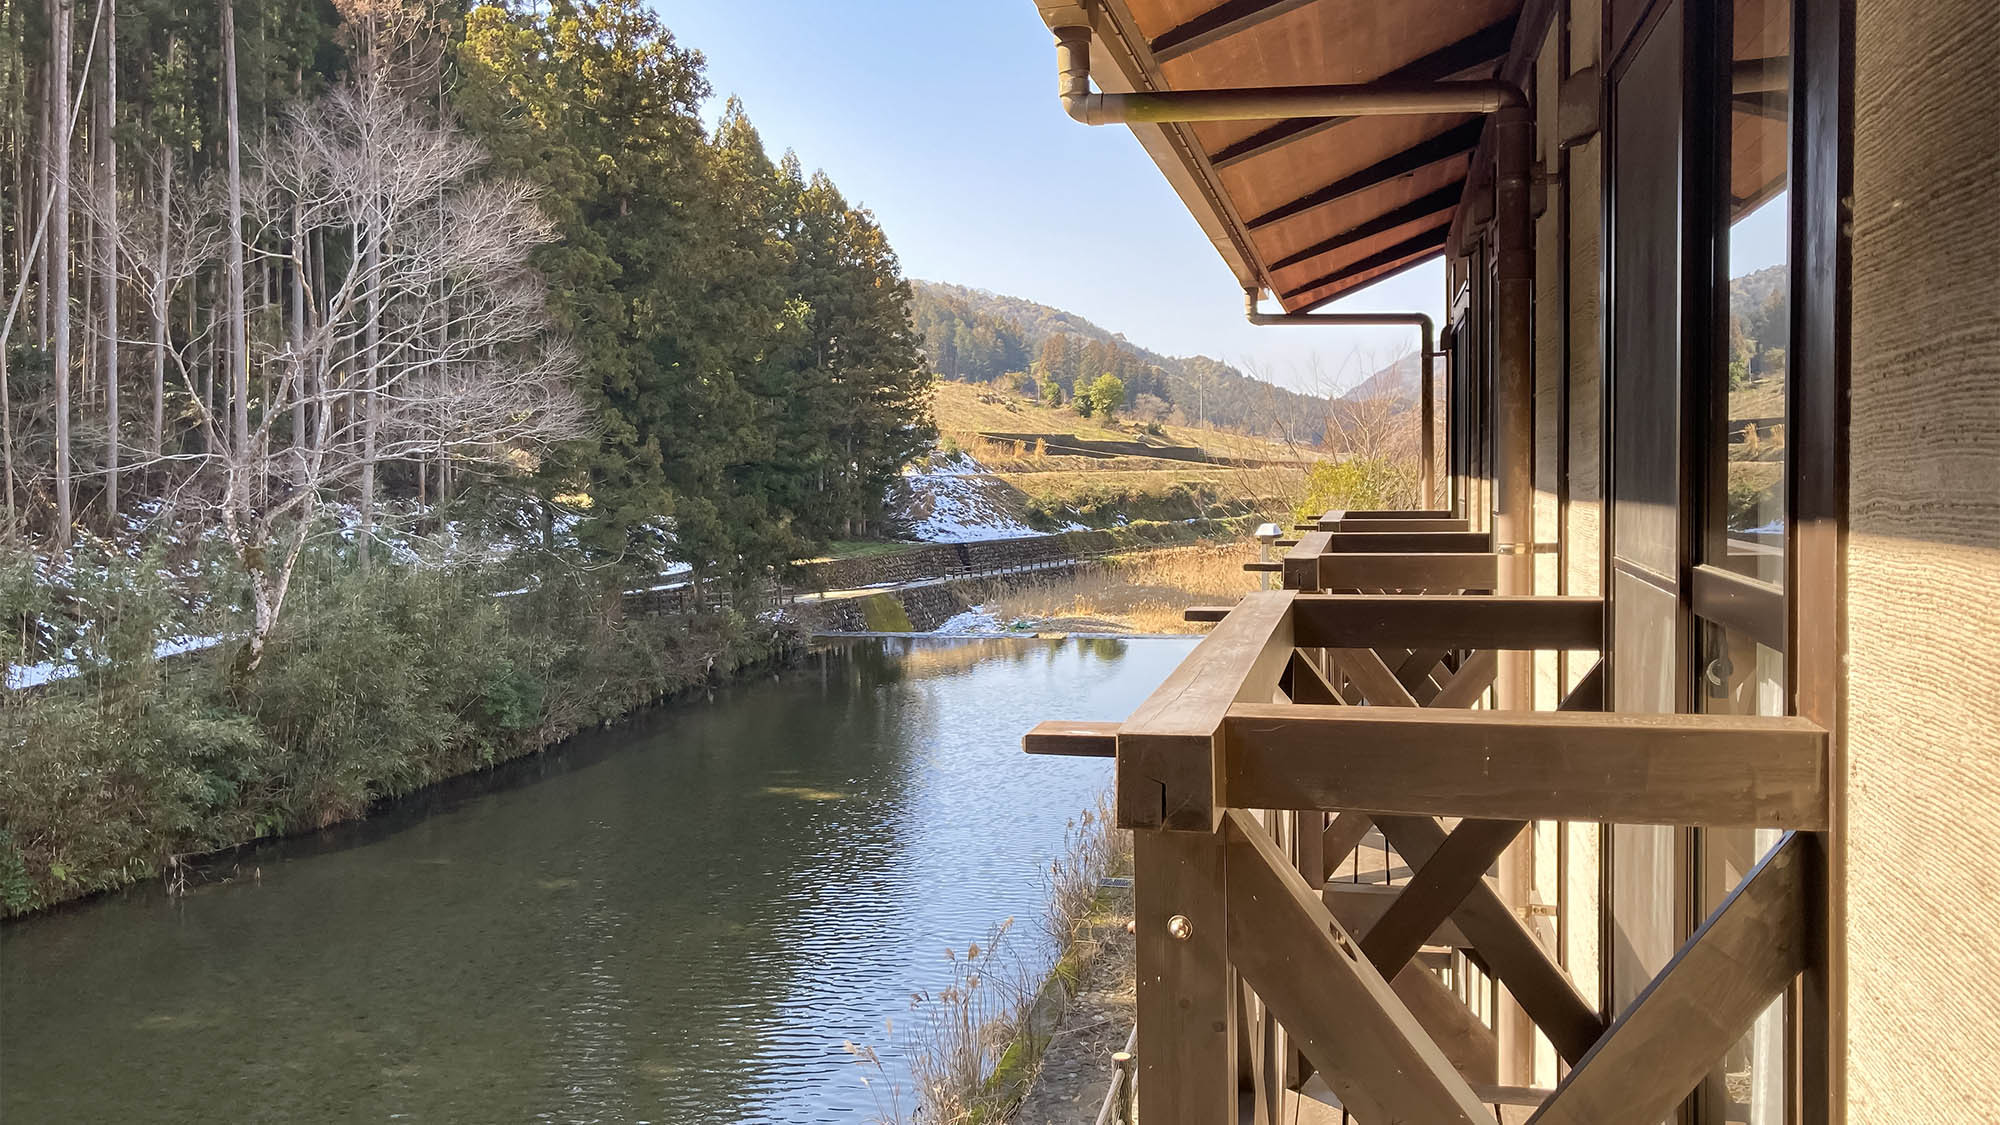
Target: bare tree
(437,343)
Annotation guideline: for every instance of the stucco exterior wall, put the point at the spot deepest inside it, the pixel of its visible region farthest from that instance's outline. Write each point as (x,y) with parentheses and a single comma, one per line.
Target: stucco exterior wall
(1922,869)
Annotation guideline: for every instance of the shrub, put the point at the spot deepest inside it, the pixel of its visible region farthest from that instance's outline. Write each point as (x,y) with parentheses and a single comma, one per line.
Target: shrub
(1366,484)
(381,683)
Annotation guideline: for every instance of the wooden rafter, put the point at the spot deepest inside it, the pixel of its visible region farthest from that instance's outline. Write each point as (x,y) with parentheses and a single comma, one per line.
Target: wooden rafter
(1450,144)
(1477,51)
(1423,244)
(1219,23)
(1439,202)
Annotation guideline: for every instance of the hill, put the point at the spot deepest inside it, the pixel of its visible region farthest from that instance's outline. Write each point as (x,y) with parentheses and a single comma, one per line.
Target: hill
(1401,381)
(975,336)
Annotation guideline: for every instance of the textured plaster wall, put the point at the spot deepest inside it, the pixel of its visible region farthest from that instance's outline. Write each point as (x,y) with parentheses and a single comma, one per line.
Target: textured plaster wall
(1922,871)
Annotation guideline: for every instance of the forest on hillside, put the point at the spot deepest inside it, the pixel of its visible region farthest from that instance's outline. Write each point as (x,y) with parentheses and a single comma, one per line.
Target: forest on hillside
(265,257)
(971,335)
(380,351)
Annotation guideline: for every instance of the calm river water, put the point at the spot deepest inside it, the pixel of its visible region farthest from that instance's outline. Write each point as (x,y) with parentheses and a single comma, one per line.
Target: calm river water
(680,920)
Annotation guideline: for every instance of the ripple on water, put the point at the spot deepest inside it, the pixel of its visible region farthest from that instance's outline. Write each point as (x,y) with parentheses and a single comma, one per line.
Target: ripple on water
(680,920)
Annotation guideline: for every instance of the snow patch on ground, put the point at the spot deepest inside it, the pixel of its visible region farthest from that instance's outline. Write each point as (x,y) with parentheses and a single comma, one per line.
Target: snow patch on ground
(49,671)
(952,499)
(977,620)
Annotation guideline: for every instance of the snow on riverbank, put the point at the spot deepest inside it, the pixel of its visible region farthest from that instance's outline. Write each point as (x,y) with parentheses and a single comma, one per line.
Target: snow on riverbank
(975,621)
(49,671)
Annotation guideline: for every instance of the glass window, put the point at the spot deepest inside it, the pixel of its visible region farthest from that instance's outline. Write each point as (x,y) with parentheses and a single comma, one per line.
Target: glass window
(1747,475)
(1742,677)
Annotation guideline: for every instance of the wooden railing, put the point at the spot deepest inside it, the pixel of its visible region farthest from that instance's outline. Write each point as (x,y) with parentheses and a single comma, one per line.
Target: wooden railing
(1305,719)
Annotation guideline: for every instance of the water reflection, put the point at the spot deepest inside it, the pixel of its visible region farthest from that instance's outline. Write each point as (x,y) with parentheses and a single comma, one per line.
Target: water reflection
(677,921)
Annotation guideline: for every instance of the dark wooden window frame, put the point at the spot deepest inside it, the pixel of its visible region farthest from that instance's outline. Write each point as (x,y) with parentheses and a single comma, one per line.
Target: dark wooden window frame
(1806,619)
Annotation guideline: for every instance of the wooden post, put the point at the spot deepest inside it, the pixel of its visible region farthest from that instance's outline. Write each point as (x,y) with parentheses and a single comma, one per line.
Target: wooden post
(1514,526)
(1186,1002)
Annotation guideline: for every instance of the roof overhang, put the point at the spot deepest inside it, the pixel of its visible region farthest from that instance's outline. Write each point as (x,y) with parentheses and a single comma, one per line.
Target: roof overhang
(1313,209)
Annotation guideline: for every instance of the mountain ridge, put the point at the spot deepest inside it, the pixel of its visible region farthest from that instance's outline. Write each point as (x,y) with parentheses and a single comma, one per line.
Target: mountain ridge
(976,335)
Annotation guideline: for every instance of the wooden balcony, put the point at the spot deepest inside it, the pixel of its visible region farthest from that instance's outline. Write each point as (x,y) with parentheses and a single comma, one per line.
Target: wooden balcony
(1305,720)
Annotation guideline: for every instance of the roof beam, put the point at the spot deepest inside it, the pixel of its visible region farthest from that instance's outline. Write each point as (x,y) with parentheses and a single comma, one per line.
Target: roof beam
(1482,48)
(1401,267)
(1455,141)
(1441,200)
(1219,23)
(1428,241)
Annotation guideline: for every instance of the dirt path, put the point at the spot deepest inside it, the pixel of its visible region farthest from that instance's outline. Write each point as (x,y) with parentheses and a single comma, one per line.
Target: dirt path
(1069,1087)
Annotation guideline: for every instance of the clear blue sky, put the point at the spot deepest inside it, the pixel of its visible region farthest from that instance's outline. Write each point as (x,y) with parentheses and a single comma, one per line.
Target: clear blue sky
(941,116)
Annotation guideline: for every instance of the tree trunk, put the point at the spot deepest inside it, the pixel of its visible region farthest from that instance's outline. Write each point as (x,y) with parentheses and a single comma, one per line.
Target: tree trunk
(298,314)
(238,351)
(157,438)
(107,141)
(58,262)
(7,408)
(47,180)
(371,360)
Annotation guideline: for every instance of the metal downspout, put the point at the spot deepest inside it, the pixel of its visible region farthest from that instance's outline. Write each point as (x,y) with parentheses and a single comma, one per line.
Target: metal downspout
(1427,352)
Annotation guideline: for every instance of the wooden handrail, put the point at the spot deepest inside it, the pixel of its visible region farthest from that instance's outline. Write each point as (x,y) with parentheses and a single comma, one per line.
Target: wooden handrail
(1072,739)
(1301,567)
(1443,621)
(1351,524)
(1407,542)
(1444,572)
(1335,515)
(1166,750)
(1708,770)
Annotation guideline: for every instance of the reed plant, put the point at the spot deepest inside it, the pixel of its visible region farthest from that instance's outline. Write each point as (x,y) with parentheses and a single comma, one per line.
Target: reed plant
(971,1046)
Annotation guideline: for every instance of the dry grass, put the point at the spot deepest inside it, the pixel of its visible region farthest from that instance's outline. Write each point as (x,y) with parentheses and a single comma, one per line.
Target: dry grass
(1093,847)
(963,410)
(973,1044)
(1136,593)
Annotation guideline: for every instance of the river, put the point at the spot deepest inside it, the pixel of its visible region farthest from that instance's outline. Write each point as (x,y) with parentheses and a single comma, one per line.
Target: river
(678,920)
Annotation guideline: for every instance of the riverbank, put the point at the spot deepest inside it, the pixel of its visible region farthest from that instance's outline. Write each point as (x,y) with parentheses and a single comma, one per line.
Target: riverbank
(1075,1068)
(1142,593)
(384,682)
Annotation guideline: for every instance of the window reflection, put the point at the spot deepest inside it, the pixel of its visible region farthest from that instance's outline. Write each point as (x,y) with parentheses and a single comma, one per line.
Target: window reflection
(1742,677)
(1748,493)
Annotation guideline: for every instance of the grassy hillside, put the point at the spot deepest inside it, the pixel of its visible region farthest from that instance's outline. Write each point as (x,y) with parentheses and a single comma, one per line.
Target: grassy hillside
(1050,489)
(964,411)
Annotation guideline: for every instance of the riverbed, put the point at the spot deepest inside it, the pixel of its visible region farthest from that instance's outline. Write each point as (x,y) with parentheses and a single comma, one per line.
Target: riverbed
(681,919)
